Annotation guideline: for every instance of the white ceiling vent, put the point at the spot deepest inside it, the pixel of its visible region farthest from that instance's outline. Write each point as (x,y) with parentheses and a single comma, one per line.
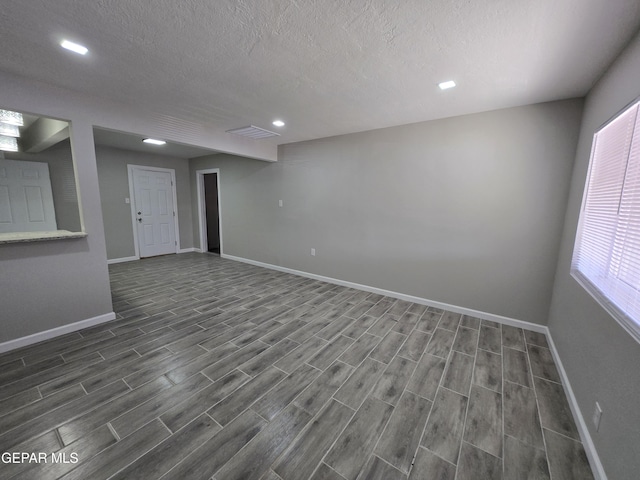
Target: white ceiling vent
(253,132)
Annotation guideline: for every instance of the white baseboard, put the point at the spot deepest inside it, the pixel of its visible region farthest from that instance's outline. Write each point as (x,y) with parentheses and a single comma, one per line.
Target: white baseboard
(122,260)
(55,332)
(585,436)
(587,441)
(410,298)
(131,259)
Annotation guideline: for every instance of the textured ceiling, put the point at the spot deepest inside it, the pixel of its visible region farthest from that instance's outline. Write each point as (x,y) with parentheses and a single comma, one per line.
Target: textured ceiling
(326,67)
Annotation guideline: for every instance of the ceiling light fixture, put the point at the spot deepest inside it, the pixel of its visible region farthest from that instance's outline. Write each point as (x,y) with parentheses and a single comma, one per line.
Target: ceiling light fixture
(446,85)
(74,47)
(8,144)
(9,130)
(278,123)
(10,117)
(153,141)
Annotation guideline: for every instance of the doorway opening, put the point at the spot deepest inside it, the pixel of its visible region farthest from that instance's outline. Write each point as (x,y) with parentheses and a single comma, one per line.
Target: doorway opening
(208,182)
(211,212)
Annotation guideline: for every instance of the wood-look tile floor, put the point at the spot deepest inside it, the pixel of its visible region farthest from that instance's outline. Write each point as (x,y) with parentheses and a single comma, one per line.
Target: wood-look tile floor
(218,369)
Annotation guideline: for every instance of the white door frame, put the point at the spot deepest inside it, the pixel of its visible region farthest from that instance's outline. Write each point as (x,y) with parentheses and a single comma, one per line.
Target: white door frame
(132,201)
(202,210)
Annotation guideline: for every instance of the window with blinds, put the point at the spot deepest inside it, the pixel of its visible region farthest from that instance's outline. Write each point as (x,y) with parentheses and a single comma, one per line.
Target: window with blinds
(606,257)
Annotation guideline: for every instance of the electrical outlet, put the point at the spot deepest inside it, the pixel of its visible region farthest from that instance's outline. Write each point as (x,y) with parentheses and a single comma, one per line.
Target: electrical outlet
(597,415)
(279,203)
(127,201)
(313,252)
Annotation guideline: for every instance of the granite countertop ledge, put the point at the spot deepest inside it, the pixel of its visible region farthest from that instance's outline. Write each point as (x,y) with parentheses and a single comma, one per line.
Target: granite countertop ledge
(20,237)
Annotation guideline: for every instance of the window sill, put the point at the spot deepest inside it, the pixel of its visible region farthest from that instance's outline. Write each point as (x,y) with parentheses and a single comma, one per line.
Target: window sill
(631,327)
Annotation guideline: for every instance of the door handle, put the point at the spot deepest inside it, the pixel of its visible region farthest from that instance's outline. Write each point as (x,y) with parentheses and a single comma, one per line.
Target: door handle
(140,220)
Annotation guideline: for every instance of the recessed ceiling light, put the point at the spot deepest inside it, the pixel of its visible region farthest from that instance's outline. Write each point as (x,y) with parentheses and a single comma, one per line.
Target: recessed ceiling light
(447,84)
(9,130)
(74,47)
(8,144)
(153,141)
(278,123)
(12,118)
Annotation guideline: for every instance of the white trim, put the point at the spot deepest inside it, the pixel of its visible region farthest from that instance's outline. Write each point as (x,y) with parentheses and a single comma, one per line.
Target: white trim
(55,332)
(130,169)
(585,436)
(132,204)
(202,211)
(587,441)
(626,322)
(122,260)
(131,259)
(410,298)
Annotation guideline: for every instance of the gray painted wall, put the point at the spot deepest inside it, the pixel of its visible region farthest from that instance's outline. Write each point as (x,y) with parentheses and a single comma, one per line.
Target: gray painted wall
(45,285)
(600,358)
(114,188)
(63,183)
(466,211)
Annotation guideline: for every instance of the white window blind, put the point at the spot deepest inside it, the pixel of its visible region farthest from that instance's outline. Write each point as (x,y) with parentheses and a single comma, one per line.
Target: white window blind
(606,258)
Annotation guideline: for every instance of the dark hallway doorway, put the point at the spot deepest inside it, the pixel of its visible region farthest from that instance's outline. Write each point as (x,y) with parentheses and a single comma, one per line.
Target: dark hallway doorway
(212,212)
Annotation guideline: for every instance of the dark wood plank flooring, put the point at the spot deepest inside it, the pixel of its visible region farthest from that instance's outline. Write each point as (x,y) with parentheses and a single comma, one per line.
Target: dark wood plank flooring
(219,369)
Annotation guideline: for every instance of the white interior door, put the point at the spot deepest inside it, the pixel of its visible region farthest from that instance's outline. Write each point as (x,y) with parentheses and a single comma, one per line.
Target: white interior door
(155,212)
(26,199)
